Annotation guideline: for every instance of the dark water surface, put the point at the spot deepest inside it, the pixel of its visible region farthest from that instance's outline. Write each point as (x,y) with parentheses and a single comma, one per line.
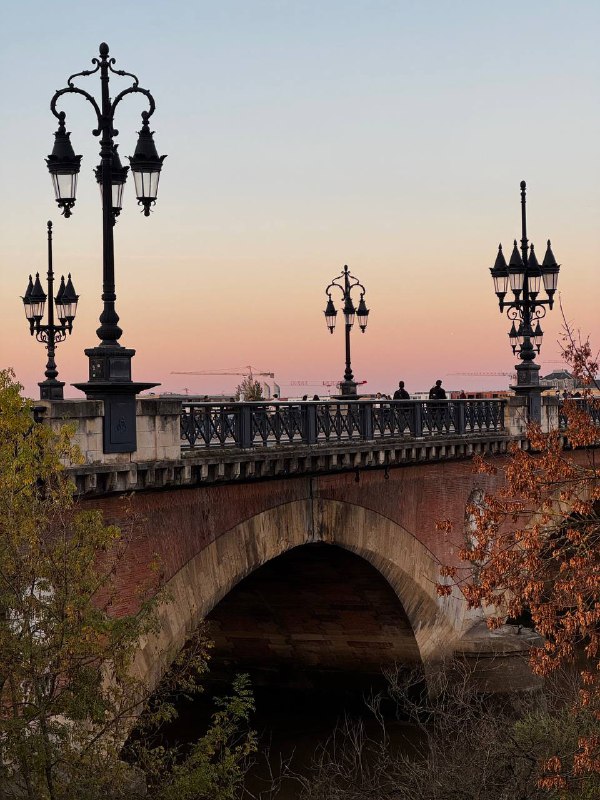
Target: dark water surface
(292,725)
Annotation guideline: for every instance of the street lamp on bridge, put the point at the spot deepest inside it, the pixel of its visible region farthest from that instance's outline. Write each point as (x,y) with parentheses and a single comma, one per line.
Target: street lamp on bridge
(524,276)
(347,283)
(51,334)
(110,362)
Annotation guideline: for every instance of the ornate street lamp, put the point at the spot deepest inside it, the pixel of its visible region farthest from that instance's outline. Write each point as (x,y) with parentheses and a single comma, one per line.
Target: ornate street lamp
(110,362)
(346,283)
(51,334)
(523,277)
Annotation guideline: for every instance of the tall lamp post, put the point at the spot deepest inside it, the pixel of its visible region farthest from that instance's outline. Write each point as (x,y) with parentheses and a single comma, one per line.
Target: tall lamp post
(347,283)
(51,334)
(524,276)
(109,362)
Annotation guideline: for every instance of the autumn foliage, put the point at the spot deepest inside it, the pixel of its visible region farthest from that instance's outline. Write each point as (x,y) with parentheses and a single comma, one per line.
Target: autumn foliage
(69,695)
(534,549)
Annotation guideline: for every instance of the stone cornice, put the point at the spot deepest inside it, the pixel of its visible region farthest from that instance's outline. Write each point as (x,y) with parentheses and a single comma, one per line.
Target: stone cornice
(228,465)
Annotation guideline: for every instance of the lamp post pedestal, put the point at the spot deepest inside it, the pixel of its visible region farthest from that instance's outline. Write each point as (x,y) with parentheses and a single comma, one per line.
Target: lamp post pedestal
(51,390)
(109,363)
(110,381)
(528,385)
(348,389)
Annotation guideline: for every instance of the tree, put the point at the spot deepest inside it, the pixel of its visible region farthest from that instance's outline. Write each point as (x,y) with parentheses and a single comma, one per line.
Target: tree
(535,550)
(213,767)
(249,389)
(68,699)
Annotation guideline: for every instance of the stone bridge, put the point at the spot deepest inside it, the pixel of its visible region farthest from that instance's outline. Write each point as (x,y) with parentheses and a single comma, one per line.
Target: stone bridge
(312,550)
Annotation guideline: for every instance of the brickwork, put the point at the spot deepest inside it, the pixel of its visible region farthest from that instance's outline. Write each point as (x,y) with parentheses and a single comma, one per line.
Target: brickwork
(209,538)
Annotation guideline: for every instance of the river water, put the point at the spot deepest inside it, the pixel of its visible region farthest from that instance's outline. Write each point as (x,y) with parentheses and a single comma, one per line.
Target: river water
(293,726)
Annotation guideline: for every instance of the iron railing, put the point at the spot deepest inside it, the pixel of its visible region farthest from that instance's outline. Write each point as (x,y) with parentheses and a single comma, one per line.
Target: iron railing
(259,424)
(590,405)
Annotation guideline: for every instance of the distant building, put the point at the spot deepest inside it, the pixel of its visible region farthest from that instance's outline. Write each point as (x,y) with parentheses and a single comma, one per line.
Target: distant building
(560,379)
(481,394)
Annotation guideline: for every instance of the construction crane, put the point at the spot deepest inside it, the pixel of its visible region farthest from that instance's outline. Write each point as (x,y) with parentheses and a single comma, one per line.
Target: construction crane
(312,383)
(249,372)
(511,375)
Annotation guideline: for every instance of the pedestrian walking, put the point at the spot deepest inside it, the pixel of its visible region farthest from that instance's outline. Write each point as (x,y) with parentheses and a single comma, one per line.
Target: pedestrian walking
(401,393)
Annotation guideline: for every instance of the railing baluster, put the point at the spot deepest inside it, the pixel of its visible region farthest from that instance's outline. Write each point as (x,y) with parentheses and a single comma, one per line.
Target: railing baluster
(309,423)
(366,420)
(245,437)
(417,424)
(459,417)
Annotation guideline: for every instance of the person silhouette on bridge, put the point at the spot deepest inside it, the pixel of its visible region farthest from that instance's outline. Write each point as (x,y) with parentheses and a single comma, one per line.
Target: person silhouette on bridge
(437,392)
(437,413)
(401,393)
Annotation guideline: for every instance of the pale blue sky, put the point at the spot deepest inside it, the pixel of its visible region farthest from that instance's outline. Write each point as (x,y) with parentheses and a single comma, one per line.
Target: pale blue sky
(391,136)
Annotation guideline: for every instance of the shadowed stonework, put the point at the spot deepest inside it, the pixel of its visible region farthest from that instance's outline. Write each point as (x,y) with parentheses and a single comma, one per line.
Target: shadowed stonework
(315,608)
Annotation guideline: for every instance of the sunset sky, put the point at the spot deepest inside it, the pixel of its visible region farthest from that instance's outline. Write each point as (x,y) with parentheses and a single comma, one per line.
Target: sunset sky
(303,135)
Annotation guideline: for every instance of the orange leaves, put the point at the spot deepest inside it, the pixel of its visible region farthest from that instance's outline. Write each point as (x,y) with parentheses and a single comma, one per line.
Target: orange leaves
(482,466)
(444,526)
(588,757)
(448,572)
(534,545)
(552,781)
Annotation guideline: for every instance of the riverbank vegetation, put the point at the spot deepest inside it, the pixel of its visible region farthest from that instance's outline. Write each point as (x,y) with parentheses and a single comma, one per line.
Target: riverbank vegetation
(69,697)
(461,745)
(533,554)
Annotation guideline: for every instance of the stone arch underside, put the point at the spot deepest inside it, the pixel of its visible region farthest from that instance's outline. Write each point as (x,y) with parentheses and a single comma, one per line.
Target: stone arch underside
(317,616)
(405,563)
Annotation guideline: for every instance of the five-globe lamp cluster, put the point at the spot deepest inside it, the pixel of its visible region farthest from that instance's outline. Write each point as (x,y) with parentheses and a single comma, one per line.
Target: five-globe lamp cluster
(63,306)
(349,310)
(65,303)
(145,163)
(524,277)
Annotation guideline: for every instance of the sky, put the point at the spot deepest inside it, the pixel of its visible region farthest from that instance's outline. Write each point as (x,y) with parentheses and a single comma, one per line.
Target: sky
(303,135)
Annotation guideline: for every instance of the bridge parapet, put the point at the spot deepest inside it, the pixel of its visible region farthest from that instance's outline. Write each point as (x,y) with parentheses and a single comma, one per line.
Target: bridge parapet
(192,444)
(157,423)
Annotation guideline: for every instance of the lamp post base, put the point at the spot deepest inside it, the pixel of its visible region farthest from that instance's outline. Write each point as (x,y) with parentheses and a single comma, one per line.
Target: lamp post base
(528,385)
(51,390)
(348,389)
(110,381)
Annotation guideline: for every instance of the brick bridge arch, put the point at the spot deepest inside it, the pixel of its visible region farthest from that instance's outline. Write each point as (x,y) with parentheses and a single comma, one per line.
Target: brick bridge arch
(407,564)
